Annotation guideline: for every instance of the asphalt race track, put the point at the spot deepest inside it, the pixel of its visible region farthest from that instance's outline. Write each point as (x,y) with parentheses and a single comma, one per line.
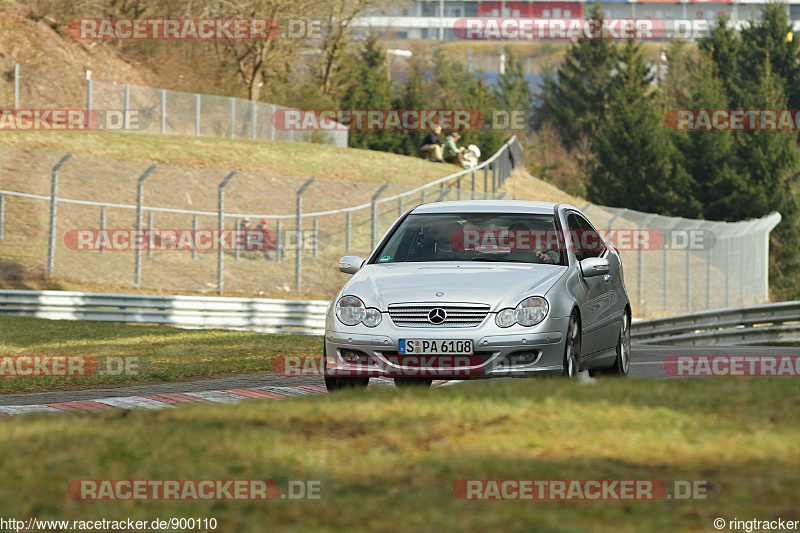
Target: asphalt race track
(648,361)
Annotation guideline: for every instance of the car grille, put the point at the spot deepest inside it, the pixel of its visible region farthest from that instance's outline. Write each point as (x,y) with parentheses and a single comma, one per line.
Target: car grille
(456,315)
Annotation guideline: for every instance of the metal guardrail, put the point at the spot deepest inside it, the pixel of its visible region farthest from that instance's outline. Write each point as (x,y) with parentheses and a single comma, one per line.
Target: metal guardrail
(256,314)
(777,323)
(770,324)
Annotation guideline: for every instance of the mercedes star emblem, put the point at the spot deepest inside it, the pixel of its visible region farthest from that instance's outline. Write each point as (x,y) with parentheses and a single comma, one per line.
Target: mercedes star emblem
(437,316)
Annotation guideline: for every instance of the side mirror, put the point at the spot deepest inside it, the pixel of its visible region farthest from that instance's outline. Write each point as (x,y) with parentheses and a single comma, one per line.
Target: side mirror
(350,264)
(594,266)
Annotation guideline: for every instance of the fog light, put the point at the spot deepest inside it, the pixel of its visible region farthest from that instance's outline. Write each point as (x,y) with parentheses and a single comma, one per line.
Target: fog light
(524,358)
(351,356)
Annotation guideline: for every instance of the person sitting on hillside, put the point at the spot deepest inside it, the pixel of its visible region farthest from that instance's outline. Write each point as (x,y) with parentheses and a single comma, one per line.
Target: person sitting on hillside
(432,143)
(453,152)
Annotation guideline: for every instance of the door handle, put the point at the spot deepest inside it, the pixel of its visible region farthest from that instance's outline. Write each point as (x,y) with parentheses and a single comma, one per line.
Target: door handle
(607,278)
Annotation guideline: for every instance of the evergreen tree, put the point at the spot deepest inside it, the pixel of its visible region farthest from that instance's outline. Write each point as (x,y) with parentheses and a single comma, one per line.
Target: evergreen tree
(636,164)
(576,97)
(413,96)
(370,88)
(514,94)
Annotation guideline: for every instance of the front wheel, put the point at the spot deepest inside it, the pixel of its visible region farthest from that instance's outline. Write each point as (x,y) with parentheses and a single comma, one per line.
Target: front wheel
(334,383)
(572,349)
(622,363)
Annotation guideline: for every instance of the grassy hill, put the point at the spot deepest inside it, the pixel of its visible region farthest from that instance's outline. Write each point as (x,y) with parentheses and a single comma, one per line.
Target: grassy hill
(192,169)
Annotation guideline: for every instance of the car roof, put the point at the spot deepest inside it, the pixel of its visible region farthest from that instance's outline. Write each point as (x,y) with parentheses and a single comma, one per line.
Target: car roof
(488,206)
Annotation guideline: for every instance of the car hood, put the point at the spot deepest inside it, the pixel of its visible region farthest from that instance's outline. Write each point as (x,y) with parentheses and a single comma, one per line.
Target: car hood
(499,284)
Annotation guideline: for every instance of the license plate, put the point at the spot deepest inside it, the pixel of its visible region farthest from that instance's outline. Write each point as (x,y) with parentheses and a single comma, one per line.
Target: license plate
(435,346)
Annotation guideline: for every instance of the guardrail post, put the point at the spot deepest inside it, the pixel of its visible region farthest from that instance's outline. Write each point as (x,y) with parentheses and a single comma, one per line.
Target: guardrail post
(279,241)
(315,244)
(458,188)
(16,85)
(221,228)
(232,108)
(163,111)
(347,232)
(126,106)
(102,228)
(374,232)
(2,215)
(422,197)
(400,206)
(298,258)
(494,176)
(485,181)
(197,115)
(194,236)
(150,234)
(51,245)
(237,226)
(137,276)
(441,192)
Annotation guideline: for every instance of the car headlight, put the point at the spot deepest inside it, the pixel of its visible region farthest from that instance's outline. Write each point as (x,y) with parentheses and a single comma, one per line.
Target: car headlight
(505,318)
(531,311)
(351,311)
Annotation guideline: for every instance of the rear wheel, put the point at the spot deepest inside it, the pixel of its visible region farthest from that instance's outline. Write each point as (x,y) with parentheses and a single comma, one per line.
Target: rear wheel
(334,383)
(403,383)
(572,349)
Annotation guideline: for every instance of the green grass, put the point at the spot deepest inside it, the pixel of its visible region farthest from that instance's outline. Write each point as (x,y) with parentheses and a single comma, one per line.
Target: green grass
(391,457)
(163,353)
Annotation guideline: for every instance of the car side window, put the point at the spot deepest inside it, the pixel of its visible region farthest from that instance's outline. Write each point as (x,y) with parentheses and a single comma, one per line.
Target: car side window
(592,242)
(575,231)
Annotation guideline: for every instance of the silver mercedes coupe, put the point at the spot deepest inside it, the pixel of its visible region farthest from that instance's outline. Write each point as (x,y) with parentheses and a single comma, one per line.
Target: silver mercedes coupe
(480,289)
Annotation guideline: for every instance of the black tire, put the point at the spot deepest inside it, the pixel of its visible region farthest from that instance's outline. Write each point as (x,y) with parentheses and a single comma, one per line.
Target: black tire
(572,349)
(334,383)
(404,383)
(622,363)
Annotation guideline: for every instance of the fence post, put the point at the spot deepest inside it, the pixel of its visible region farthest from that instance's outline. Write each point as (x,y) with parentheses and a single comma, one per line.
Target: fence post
(316,234)
(88,95)
(422,197)
(708,278)
(400,206)
(347,232)
(252,119)
(665,272)
(221,228)
(485,181)
(458,188)
(126,107)
(194,236)
(374,233)
(137,276)
(688,280)
(51,246)
(2,215)
(494,176)
(298,259)
(150,235)
(102,228)
(271,125)
(441,192)
(237,226)
(279,242)
(16,85)
(163,111)
(473,184)
(197,115)
(233,114)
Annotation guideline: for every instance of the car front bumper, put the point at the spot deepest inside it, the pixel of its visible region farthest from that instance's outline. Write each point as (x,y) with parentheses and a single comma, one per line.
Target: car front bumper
(498,352)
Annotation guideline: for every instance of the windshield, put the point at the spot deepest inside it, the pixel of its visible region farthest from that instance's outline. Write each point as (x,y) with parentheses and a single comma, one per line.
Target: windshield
(493,237)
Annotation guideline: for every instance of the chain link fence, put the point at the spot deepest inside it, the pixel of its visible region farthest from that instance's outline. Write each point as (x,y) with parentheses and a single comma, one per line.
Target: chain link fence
(674,265)
(47,199)
(124,107)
